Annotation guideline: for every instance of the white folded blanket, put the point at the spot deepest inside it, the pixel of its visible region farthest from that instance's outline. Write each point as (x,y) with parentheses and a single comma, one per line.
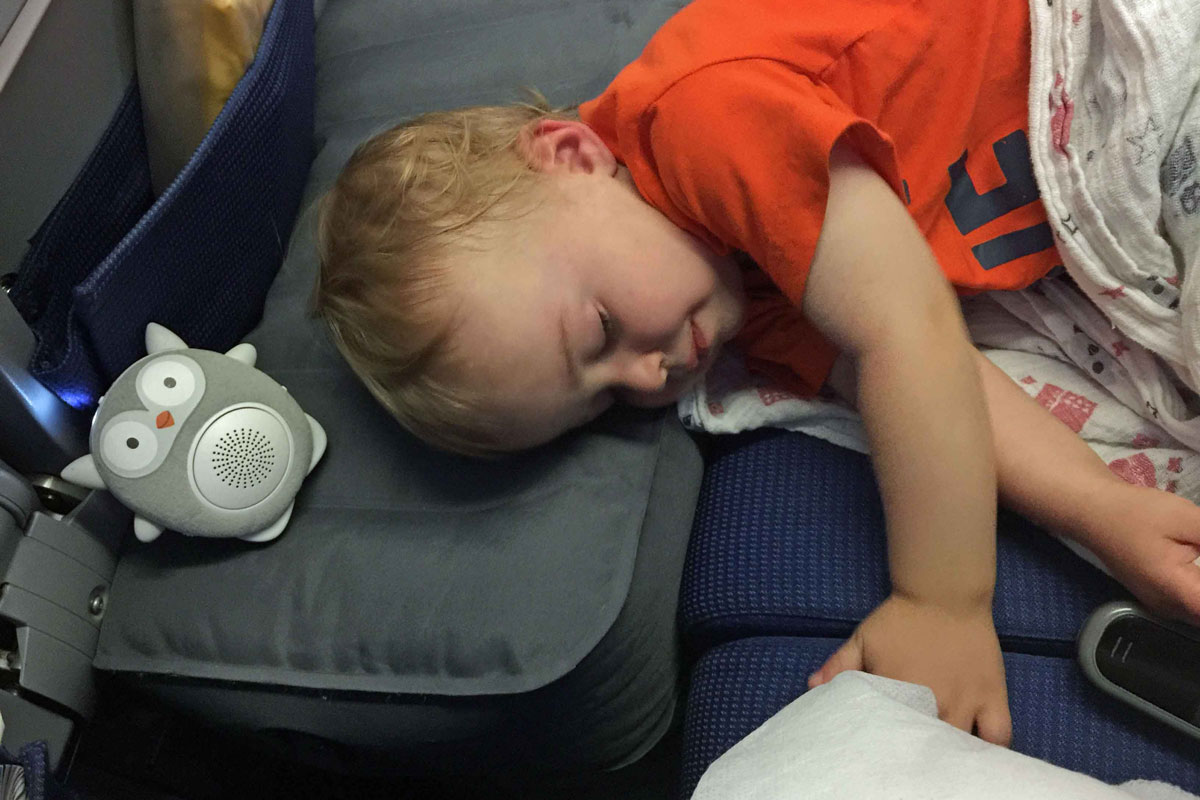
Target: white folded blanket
(1041,340)
(862,737)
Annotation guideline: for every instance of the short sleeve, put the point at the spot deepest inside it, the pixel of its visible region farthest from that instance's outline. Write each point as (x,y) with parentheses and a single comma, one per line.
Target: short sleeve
(741,150)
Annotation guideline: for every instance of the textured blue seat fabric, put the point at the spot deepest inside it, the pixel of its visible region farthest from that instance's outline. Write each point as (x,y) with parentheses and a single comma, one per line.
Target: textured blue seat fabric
(200,257)
(1057,715)
(107,198)
(789,539)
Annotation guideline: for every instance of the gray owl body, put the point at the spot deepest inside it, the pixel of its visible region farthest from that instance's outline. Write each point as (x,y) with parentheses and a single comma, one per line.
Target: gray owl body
(201,443)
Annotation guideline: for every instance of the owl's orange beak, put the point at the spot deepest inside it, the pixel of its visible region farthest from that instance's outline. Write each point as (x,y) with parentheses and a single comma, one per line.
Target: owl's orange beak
(164,420)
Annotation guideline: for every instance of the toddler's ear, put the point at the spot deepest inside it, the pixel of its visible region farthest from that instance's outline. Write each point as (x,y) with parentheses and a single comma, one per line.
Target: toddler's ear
(567,146)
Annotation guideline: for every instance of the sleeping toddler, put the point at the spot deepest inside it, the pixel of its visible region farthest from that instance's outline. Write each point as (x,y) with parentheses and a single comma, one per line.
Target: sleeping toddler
(814,181)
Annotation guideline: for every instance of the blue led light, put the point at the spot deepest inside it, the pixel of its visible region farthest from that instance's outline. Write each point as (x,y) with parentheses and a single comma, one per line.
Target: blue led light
(77,398)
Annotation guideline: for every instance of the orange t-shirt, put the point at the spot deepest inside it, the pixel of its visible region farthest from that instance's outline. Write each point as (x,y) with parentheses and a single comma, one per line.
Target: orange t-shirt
(727,119)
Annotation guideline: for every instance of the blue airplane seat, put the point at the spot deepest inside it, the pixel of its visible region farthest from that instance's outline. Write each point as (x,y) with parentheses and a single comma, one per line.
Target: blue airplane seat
(1057,715)
(422,611)
(788,553)
(111,257)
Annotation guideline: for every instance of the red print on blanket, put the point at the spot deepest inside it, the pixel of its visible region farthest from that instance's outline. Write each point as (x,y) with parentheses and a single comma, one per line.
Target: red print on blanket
(1143,441)
(770,396)
(1060,120)
(1138,469)
(1073,410)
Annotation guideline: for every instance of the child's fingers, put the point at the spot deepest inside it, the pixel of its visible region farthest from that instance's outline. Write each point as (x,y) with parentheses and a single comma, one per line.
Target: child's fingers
(1174,591)
(958,717)
(1189,543)
(846,657)
(1187,594)
(994,724)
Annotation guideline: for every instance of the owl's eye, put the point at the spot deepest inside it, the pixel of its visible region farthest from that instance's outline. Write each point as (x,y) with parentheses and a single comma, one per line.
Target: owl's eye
(167,382)
(128,446)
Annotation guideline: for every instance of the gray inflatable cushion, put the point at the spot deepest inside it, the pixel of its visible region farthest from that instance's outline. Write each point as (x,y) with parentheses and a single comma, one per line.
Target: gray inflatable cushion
(410,572)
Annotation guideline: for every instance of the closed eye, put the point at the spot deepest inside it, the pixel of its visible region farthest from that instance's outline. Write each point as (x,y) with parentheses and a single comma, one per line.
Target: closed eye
(609,326)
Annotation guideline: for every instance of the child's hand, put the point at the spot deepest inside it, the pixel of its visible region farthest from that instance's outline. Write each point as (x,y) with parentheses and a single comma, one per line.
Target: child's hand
(1150,541)
(956,654)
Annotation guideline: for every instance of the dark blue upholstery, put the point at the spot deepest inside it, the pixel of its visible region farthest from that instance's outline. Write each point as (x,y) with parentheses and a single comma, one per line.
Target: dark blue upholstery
(200,257)
(788,553)
(789,539)
(1057,715)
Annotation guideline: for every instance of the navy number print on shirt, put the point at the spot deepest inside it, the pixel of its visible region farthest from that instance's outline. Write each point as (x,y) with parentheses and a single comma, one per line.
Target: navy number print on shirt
(972,210)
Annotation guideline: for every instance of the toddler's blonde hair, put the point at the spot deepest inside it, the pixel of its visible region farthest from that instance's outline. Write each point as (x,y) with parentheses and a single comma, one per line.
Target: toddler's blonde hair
(403,209)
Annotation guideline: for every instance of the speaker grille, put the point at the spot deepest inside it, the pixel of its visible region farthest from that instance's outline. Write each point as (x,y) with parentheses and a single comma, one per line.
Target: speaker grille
(243,458)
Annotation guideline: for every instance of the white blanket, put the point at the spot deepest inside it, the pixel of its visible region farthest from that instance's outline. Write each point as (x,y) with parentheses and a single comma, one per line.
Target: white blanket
(1033,337)
(862,737)
(1114,128)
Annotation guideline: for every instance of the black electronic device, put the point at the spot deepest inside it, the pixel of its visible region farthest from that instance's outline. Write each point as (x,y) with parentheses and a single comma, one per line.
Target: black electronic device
(1152,664)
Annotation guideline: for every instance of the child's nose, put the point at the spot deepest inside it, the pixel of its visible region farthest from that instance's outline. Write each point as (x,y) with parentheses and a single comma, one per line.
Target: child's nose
(644,372)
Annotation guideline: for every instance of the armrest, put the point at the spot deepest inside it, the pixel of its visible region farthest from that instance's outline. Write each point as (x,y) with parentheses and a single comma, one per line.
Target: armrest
(41,434)
(56,572)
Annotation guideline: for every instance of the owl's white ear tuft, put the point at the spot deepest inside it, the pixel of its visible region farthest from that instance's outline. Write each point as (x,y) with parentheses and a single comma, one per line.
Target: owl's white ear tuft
(159,339)
(276,527)
(320,440)
(145,530)
(82,472)
(244,353)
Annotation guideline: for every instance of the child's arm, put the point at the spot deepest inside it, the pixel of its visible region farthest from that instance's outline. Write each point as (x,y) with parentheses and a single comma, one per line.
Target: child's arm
(876,290)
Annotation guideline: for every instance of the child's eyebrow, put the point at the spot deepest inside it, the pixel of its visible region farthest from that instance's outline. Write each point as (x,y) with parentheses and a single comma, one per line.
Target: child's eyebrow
(565,346)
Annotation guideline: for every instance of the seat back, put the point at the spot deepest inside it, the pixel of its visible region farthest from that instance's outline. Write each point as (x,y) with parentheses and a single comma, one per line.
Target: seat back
(108,259)
(199,258)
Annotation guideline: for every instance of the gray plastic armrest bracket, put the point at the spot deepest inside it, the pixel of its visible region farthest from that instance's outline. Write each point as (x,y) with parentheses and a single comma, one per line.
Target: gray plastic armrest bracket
(56,575)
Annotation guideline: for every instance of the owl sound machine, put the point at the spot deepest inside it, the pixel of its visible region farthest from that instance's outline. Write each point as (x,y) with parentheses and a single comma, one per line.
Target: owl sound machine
(200,442)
